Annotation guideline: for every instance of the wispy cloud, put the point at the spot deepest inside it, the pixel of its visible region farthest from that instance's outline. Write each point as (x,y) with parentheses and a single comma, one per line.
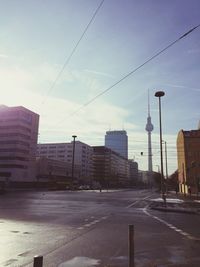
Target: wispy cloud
(182,86)
(99,73)
(194,51)
(4,56)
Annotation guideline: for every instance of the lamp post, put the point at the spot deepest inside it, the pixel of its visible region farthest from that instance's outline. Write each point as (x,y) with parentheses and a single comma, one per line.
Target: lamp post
(166,160)
(159,94)
(74,137)
(166,165)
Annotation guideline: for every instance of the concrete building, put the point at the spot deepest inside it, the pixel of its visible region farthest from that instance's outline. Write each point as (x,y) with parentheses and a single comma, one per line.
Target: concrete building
(110,168)
(52,173)
(118,142)
(133,171)
(188,155)
(18,140)
(148,179)
(50,169)
(64,152)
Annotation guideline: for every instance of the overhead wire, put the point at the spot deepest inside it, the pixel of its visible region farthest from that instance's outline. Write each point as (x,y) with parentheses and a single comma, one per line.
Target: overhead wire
(132,72)
(73,51)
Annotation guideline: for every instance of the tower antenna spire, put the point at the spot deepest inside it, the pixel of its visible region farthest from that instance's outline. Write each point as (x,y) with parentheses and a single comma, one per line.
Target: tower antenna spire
(148,105)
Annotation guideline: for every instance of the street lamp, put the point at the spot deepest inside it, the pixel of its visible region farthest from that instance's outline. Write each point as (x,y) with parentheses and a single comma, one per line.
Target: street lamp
(159,94)
(74,137)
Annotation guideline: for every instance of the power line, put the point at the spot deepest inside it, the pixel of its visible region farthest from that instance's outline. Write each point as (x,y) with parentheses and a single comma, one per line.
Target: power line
(133,71)
(72,52)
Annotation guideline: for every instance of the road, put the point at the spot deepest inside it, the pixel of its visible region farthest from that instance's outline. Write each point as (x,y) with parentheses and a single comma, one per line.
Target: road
(89,228)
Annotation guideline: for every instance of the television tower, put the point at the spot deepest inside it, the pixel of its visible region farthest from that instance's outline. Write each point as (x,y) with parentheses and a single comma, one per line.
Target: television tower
(149,129)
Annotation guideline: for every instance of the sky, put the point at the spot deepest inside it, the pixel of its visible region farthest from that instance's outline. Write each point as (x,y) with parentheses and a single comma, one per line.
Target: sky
(37,37)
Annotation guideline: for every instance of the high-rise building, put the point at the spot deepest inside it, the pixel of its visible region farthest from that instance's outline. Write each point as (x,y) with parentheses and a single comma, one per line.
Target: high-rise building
(188,155)
(118,142)
(18,139)
(64,152)
(149,129)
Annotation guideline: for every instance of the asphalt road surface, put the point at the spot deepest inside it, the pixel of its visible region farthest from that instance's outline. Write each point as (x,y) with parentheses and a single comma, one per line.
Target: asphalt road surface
(89,228)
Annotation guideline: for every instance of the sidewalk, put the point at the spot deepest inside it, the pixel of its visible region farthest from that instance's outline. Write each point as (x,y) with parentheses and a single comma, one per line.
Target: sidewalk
(177,203)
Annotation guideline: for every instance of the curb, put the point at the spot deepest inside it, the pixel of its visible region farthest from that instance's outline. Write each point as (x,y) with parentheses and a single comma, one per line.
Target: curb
(179,210)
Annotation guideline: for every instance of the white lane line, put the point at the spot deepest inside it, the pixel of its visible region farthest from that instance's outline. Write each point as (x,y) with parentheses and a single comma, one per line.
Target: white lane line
(132,204)
(92,223)
(87,225)
(181,232)
(135,202)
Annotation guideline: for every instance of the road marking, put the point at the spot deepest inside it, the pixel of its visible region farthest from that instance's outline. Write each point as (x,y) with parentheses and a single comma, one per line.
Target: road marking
(172,227)
(96,221)
(92,223)
(80,228)
(135,202)
(87,225)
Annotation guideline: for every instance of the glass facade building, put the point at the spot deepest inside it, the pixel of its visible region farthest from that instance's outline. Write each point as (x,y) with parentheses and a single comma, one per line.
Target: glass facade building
(118,142)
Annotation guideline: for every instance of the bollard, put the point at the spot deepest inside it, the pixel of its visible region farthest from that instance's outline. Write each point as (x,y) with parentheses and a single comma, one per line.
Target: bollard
(38,261)
(131,245)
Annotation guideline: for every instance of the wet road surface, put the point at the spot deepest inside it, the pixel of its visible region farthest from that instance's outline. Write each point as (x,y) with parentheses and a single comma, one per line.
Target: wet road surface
(89,228)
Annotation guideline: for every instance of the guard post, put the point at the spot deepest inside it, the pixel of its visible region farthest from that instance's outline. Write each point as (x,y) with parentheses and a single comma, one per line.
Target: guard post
(131,245)
(38,261)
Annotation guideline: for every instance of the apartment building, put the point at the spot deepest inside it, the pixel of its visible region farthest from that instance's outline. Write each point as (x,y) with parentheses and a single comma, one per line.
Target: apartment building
(110,168)
(54,170)
(188,155)
(18,140)
(64,152)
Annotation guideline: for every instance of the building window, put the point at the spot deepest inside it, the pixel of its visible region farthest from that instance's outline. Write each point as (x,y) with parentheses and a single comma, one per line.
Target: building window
(13,158)
(17,166)
(15,135)
(14,150)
